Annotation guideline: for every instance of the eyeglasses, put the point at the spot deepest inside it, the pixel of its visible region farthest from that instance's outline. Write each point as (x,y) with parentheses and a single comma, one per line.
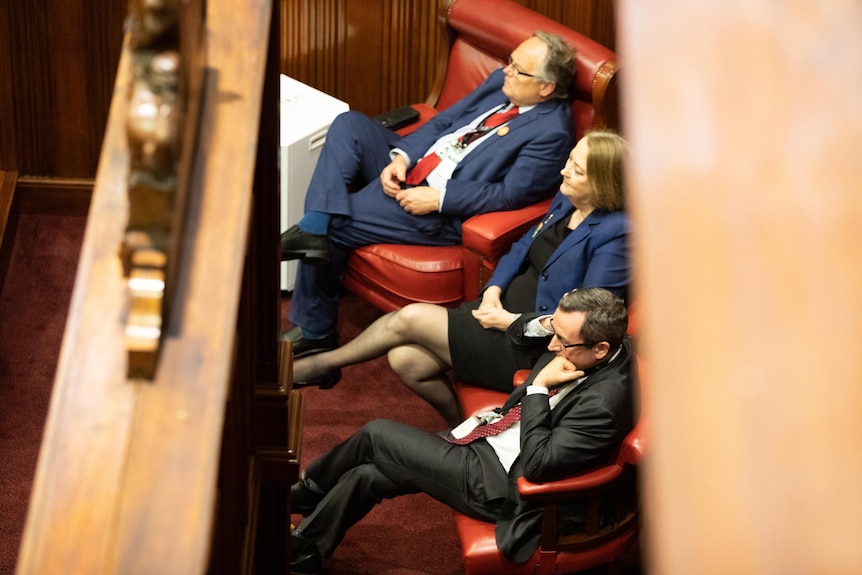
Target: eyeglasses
(568,345)
(518,71)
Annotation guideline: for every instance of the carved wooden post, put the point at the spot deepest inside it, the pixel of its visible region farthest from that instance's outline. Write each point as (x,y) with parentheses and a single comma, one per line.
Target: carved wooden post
(165,38)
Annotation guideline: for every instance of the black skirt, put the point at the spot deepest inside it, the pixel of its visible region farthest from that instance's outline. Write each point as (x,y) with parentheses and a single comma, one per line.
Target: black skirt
(480,356)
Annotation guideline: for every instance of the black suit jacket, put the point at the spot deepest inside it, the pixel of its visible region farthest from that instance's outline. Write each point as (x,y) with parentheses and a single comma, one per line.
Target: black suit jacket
(581,431)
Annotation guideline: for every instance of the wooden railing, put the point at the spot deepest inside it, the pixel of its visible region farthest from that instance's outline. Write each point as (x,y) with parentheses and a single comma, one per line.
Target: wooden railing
(164,476)
(7,194)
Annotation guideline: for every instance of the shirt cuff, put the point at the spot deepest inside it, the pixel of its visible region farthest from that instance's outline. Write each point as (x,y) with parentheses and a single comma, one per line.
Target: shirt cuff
(536,389)
(399,152)
(534,328)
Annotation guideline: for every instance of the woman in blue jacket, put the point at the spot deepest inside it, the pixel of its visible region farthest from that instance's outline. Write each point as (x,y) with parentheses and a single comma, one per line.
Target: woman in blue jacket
(581,242)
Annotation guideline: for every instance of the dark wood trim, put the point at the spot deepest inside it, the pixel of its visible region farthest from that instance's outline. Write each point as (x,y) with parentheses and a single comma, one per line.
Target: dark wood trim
(8,220)
(53,196)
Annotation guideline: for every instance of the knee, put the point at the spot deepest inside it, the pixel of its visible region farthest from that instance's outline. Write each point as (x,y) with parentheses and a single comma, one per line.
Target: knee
(402,360)
(377,428)
(403,322)
(395,356)
(347,121)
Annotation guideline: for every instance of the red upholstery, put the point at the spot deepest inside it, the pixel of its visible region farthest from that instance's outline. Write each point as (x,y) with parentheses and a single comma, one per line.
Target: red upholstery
(390,275)
(596,548)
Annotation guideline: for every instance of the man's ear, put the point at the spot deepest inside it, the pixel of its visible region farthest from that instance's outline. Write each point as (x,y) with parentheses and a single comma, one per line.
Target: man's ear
(548,89)
(601,350)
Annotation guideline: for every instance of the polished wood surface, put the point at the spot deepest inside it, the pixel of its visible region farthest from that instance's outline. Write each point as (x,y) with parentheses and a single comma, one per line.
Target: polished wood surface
(745,127)
(126,481)
(8,181)
(380,54)
(58,59)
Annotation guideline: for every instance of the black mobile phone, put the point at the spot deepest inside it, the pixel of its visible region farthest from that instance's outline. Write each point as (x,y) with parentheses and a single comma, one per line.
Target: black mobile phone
(398,117)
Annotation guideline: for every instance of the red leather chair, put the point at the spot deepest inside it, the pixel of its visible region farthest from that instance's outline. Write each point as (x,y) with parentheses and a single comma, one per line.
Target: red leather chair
(599,545)
(389,275)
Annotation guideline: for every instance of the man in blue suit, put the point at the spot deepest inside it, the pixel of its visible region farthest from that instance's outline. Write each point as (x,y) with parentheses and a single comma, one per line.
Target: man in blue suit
(575,409)
(499,148)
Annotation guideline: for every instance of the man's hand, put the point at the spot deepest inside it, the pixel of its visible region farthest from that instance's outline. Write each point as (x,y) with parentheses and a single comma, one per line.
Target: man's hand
(419,200)
(393,175)
(559,371)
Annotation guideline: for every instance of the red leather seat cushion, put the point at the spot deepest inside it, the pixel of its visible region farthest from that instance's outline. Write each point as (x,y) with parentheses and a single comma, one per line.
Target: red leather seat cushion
(478,400)
(409,273)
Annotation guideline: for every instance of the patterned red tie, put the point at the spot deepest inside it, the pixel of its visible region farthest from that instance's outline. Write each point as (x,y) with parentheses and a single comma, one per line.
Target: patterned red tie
(496,427)
(427,163)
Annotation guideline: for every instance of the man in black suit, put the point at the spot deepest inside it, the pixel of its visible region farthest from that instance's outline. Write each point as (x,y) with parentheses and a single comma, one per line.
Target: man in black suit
(576,407)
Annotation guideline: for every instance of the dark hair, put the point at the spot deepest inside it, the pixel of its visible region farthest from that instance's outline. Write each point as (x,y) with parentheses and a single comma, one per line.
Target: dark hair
(606,318)
(559,64)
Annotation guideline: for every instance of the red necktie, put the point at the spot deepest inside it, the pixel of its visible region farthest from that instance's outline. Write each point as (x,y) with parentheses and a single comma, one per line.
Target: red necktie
(496,427)
(422,168)
(427,163)
(500,117)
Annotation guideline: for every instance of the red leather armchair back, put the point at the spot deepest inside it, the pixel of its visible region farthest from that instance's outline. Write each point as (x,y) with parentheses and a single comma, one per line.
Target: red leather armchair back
(478,48)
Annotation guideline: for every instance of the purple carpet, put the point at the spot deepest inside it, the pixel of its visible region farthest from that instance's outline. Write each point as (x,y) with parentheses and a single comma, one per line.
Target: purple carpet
(409,536)
(33,307)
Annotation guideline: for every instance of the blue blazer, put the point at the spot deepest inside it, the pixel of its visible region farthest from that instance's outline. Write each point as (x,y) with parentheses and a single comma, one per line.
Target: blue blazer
(595,254)
(506,171)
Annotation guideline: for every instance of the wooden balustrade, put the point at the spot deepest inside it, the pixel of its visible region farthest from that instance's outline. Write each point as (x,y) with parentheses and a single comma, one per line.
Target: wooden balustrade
(164,476)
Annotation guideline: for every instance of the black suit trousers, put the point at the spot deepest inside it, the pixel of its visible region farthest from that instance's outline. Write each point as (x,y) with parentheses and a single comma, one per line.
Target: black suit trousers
(385,459)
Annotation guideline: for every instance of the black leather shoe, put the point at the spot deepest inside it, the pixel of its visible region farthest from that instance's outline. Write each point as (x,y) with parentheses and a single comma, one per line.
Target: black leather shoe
(325,381)
(298,245)
(302,499)
(304,557)
(303,346)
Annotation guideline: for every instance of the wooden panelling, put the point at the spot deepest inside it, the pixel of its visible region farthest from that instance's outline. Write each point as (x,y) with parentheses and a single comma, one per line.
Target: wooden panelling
(57,59)
(379,54)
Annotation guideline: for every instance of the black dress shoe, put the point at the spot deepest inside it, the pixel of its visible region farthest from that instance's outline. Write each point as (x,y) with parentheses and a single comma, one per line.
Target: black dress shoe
(299,245)
(304,557)
(303,346)
(302,499)
(325,381)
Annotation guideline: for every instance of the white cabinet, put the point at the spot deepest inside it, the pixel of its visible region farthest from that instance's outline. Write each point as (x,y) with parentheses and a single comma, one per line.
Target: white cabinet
(306,114)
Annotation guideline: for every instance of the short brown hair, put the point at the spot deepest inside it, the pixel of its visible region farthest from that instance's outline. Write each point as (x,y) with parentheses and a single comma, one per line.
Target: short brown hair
(605,168)
(605,318)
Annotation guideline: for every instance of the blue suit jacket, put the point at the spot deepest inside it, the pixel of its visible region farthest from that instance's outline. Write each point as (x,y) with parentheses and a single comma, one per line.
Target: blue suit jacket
(504,172)
(595,254)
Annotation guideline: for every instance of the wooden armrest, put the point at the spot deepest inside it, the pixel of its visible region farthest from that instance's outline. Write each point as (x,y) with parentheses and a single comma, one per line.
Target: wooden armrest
(494,233)
(569,487)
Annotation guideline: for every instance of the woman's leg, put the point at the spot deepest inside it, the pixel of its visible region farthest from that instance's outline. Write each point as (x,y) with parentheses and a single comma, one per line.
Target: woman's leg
(421,324)
(425,374)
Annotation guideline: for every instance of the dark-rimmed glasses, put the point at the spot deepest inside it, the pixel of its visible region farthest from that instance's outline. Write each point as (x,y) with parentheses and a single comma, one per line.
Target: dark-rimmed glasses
(568,345)
(518,71)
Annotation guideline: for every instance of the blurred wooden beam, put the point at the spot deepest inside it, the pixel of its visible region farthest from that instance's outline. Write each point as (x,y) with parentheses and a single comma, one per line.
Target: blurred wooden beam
(746,128)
